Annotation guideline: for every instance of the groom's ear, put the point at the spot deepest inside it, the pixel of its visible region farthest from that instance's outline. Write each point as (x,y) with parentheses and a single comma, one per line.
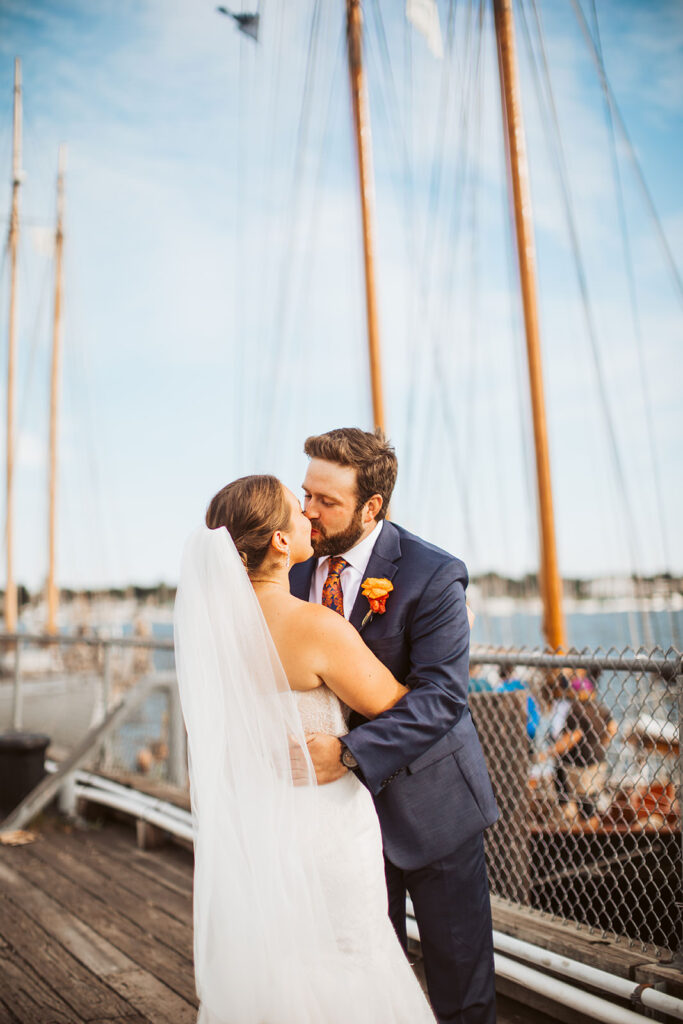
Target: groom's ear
(372,507)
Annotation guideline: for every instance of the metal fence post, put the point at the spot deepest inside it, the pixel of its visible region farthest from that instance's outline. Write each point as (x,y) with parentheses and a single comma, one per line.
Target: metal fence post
(105,752)
(177,767)
(17,695)
(678,957)
(66,797)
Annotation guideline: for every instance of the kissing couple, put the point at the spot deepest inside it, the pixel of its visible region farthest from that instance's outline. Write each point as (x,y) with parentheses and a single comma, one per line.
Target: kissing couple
(322,658)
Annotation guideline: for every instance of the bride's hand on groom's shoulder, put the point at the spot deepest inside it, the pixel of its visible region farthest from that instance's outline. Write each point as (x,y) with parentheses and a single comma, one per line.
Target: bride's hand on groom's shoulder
(325,753)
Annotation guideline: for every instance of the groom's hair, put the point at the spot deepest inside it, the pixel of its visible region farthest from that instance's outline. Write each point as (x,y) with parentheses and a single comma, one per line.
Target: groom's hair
(371,455)
(251,509)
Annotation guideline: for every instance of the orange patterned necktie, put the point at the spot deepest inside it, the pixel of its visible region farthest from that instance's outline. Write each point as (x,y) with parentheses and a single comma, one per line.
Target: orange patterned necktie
(332,589)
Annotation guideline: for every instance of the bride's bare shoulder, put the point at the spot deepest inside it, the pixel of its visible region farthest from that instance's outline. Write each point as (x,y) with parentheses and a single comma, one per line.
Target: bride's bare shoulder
(320,621)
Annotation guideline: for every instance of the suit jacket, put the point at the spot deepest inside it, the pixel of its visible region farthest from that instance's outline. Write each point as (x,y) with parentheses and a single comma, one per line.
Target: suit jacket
(421,760)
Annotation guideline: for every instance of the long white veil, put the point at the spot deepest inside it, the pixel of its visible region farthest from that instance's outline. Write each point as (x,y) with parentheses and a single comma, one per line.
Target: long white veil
(261,927)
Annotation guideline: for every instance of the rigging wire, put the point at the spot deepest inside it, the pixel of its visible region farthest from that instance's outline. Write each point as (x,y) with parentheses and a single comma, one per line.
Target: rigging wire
(48,274)
(97,449)
(470,406)
(282,307)
(302,290)
(410,219)
(635,314)
(453,243)
(439,367)
(550,116)
(20,410)
(481,349)
(404,146)
(431,362)
(270,142)
(421,300)
(640,177)
(401,130)
(436,178)
(238,306)
(391,103)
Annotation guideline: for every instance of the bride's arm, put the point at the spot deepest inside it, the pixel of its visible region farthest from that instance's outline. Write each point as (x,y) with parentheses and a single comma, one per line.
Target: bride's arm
(349,667)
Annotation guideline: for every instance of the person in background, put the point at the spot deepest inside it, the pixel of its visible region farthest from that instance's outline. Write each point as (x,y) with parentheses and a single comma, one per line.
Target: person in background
(582,730)
(507,683)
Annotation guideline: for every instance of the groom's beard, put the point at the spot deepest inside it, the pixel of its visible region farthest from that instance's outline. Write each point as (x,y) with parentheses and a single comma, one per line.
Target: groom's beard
(337,543)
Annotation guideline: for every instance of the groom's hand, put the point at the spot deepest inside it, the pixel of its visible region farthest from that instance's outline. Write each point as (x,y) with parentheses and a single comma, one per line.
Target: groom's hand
(298,763)
(325,752)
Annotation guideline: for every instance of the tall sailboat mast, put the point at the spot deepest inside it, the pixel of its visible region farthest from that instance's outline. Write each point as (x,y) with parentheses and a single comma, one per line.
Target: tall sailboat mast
(10,586)
(52,592)
(361,121)
(520,199)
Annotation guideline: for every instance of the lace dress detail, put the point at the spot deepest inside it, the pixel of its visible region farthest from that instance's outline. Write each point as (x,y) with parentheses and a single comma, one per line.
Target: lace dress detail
(322,711)
(348,844)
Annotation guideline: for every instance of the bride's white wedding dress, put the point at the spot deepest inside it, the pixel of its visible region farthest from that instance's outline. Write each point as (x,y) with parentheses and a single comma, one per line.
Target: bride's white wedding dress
(348,849)
(290,902)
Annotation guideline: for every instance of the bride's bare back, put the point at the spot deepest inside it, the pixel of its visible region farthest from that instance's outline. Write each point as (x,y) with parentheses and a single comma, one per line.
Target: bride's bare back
(317,645)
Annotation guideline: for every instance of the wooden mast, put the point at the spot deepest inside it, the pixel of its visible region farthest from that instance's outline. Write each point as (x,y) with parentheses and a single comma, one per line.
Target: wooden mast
(10,586)
(361,120)
(520,199)
(52,592)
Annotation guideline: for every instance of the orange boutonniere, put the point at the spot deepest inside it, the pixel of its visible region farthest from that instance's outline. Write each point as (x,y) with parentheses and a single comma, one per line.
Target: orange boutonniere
(376,592)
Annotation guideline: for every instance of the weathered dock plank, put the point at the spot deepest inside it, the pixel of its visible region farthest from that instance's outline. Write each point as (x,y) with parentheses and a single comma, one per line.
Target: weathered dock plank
(158,1004)
(174,869)
(119,922)
(155,1002)
(78,986)
(142,946)
(127,945)
(25,997)
(76,867)
(121,875)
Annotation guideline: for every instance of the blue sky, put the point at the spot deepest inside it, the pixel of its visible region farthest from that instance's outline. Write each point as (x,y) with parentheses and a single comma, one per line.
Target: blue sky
(214,303)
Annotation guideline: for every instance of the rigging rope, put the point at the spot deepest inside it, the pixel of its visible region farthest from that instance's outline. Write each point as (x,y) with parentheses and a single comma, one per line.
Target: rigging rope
(438,364)
(302,290)
(282,308)
(635,314)
(431,363)
(640,177)
(422,274)
(550,116)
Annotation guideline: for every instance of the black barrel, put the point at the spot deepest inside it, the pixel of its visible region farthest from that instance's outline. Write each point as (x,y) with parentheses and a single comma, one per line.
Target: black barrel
(22,766)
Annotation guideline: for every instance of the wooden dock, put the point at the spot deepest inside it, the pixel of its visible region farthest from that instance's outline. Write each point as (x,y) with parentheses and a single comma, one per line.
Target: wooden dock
(94,929)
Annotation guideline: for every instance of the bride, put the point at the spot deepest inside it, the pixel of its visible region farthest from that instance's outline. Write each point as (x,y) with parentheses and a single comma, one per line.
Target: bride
(290,902)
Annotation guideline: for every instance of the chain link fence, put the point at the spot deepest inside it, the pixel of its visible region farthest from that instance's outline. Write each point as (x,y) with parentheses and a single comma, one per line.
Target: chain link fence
(65,687)
(584,753)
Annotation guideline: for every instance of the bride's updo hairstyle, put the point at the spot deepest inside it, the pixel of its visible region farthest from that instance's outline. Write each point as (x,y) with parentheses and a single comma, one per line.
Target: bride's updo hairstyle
(251,509)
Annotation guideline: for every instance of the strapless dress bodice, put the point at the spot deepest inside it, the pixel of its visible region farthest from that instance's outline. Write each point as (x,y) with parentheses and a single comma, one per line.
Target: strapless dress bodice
(322,711)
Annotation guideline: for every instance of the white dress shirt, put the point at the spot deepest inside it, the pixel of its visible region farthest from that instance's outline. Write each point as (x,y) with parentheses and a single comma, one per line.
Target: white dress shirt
(351,576)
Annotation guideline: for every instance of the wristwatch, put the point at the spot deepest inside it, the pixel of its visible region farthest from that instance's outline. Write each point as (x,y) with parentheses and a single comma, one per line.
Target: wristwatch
(347,758)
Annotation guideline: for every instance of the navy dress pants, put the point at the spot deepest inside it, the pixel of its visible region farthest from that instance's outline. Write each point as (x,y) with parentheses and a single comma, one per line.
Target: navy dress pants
(453,912)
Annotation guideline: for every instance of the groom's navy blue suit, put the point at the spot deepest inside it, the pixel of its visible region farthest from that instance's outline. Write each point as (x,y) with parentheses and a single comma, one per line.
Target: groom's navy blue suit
(425,768)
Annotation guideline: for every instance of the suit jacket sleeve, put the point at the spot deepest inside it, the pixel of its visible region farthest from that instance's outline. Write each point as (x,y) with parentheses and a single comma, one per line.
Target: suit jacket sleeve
(438,636)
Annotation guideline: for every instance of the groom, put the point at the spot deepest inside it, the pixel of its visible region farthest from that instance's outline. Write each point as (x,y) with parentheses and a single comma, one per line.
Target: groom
(421,760)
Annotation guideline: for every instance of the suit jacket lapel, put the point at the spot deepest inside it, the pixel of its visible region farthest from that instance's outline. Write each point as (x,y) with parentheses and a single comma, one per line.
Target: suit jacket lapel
(383,564)
(300,578)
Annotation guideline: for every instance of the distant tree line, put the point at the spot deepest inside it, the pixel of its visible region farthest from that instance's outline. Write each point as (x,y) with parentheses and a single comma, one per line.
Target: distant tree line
(492,584)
